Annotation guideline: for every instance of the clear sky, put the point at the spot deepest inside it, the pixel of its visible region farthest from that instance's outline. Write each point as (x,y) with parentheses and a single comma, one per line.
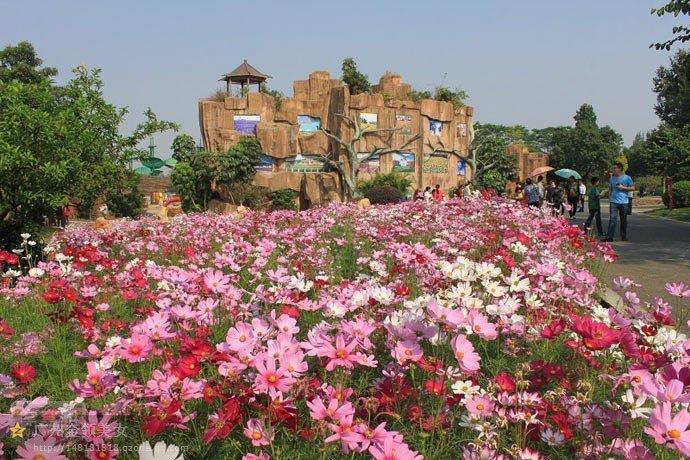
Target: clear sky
(523,62)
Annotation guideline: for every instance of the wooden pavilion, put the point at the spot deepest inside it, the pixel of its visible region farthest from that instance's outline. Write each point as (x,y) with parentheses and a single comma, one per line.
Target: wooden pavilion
(244,74)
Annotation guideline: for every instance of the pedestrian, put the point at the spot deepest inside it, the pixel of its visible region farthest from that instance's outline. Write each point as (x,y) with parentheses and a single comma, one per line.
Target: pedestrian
(631,194)
(582,189)
(548,195)
(541,189)
(519,195)
(573,191)
(619,186)
(594,208)
(437,194)
(559,197)
(532,194)
(427,194)
(418,195)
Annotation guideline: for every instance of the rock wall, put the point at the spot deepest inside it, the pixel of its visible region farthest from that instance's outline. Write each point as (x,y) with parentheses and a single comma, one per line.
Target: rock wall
(527,161)
(286,141)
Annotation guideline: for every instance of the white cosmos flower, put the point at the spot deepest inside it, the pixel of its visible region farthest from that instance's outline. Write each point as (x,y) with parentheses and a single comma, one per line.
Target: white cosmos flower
(464,387)
(160,451)
(382,295)
(36,272)
(518,248)
(300,284)
(637,409)
(25,236)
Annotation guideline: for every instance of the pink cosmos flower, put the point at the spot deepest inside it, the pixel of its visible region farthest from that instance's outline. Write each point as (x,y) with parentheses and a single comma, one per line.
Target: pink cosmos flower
(340,355)
(391,449)
(678,289)
(481,326)
(257,433)
(260,456)
(216,281)
(334,410)
(670,430)
(453,317)
(479,405)
(465,354)
(240,337)
(407,350)
(41,448)
(270,379)
(97,431)
(671,391)
(136,348)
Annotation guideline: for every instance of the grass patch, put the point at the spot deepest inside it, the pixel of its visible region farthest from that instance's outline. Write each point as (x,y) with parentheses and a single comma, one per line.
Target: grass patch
(681,214)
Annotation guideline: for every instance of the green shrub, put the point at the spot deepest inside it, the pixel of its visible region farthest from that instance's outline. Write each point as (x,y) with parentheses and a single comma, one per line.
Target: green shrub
(492,179)
(249,195)
(283,199)
(681,194)
(383,194)
(128,202)
(393,179)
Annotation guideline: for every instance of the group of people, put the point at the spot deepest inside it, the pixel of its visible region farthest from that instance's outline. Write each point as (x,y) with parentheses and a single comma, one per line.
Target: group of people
(572,193)
(429,194)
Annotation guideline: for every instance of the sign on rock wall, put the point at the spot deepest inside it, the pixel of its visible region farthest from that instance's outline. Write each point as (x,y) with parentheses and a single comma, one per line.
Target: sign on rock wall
(462,129)
(370,166)
(246,124)
(403,121)
(435,127)
(403,162)
(461,168)
(308,124)
(435,164)
(368,121)
(305,163)
(265,164)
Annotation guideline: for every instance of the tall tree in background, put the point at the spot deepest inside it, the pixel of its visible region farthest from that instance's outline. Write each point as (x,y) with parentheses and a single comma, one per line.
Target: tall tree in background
(183,147)
(586,147)
(356,81)
(62,143)
(494,167)
(20,63)
(672,88)
(680,33)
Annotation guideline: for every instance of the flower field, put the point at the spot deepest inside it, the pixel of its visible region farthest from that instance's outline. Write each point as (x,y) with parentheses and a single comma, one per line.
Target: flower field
(469,329)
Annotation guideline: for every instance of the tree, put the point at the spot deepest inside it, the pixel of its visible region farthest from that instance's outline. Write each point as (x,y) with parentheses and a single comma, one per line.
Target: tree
(183,147)
(672,88)
(680,33)
(586,147)
(493,166)
(668,151)
(455,96)
(21,63)
(356,81)
(348,169)
(56,148)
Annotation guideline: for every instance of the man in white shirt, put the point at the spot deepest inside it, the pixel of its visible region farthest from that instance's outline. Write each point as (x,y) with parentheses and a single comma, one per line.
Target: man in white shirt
(582,189)
(541,189)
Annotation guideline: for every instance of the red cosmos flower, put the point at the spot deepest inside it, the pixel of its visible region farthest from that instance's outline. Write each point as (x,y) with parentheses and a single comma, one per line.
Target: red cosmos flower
(222,422)
(8,258)
(160,417)
(434,422)
(561,420)
(402,290)
(553,329)
(52,296)
(664,319)
(290,310)
(189,252)
(414,412)
(435,387)
(505,382)
(23,372)
(648,330)
(576,243)
(187,366)
(553,371)
(429,364)
(5,329)
(595,335)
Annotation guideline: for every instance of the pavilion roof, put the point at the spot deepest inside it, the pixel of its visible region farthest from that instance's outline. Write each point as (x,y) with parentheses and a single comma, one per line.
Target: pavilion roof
(244,72)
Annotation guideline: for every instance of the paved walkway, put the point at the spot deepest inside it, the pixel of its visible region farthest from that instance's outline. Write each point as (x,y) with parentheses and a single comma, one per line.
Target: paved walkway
(658,251)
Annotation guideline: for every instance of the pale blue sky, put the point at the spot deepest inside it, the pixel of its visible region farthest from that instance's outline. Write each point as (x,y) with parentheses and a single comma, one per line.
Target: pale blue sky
(528,62)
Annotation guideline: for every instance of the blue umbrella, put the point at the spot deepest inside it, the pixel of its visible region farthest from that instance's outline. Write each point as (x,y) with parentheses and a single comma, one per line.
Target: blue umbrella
(568,173)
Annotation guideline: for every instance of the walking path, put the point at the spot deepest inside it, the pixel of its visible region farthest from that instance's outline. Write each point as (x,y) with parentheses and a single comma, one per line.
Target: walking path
(658,251)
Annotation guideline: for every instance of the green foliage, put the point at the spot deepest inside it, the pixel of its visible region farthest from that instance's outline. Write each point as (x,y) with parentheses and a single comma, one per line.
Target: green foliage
(384,194)
(128,201)
(183,147)
(492,179)
(455,96)
(184,179)
(196,179)
(353,78)
(586,148)
(278,96)
(283,199)
(681,195)
(667,152)
(61,144)
(536,140)
(393,179)
(672,88)
(20,63)
(680,33)
(218,95)
(249,195)
(653,185)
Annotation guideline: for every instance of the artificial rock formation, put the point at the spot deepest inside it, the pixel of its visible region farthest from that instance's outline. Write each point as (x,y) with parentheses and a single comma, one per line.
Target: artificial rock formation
(527,161)
(438,130)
